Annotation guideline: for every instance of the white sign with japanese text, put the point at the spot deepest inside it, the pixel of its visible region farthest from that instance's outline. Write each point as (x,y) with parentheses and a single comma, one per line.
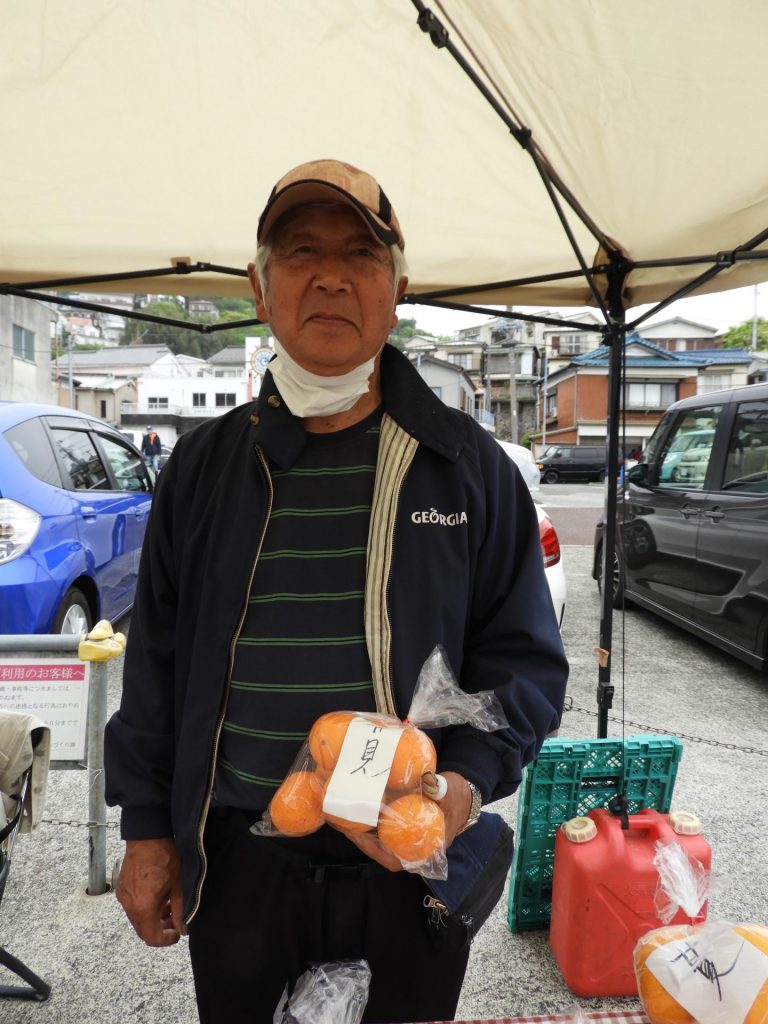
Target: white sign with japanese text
(359,779)
(55,690)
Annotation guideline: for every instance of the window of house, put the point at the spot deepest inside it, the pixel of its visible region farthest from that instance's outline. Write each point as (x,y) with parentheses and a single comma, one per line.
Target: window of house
(225,399)
(707,382)
(650,395)
(23,343)
(157,402)
(198,400)
(552,405)
(572,344)
(103,408)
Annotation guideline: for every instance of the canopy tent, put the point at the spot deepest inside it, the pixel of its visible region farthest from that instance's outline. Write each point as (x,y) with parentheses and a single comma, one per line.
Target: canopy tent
(140,131)
(543,152)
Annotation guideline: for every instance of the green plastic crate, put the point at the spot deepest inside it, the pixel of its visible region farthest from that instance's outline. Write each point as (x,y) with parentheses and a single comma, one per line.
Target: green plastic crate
(568,779)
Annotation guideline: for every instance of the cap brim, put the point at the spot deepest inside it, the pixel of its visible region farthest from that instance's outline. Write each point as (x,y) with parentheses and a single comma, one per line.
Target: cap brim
(301,192)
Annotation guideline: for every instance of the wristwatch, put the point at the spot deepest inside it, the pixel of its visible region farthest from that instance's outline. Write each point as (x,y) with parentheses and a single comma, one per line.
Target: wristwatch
(474,808)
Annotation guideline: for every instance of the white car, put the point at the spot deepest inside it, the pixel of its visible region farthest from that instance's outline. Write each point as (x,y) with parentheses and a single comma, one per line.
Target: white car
(550,545)
(554,569)
(525,462)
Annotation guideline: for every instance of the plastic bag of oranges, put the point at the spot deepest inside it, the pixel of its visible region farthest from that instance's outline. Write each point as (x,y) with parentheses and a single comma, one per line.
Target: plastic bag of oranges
(363,772)
(705,973)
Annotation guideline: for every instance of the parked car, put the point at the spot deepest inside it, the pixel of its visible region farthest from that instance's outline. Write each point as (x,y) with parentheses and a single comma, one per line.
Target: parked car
(692,530)
(525,462)
(573,462)
(554,569)
(74,500)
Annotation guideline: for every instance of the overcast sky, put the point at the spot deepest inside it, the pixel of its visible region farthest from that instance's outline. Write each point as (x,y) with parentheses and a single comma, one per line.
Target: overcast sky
(720,310)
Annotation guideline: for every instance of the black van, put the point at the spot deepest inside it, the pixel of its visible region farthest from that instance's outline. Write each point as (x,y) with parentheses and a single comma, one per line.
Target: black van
(692,530)
(573,462)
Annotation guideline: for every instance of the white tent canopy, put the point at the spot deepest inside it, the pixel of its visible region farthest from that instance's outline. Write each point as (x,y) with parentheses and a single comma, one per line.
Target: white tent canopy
(136,132)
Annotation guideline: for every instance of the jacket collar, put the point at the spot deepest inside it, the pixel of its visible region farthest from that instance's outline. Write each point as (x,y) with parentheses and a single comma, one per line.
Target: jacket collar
(407,399)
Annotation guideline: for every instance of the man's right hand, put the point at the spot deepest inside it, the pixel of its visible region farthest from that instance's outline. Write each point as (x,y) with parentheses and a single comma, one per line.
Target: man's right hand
(149,890)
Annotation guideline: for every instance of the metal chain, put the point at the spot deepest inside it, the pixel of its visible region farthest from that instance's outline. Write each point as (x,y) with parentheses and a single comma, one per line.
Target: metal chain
(570,706)
(79,824)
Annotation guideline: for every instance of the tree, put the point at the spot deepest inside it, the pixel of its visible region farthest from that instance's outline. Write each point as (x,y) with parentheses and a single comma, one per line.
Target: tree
(741,335)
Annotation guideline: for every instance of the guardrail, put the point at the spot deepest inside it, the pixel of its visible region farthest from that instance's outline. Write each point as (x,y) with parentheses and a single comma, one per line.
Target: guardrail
(97,647)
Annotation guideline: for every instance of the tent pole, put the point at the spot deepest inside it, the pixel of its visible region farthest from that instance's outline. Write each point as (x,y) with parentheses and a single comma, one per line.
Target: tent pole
(615,340)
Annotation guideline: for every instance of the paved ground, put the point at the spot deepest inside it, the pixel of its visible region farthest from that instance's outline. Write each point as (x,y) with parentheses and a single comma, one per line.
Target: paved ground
(670,683)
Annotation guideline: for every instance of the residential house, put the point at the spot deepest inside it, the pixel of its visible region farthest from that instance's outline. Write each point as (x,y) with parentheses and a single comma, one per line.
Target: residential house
(25,349)
(449,382)
(577,394)
(680,335)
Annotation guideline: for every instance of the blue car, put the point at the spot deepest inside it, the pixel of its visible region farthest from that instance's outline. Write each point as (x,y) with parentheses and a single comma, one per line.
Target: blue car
(75,496)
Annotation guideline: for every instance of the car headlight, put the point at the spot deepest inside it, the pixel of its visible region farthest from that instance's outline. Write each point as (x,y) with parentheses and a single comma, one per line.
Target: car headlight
(18,528)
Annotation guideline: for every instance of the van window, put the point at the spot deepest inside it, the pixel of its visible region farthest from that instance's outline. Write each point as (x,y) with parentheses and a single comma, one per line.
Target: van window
(685,458)
(746,467)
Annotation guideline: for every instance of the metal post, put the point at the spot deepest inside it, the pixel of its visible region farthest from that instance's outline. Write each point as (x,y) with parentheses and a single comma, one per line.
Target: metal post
(512,396)
(97,808)
(544,410)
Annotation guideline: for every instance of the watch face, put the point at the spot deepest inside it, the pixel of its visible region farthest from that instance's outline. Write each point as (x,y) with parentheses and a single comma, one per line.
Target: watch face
(260,360)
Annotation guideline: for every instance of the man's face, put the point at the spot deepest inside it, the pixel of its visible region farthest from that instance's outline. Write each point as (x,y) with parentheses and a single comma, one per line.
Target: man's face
(330,297)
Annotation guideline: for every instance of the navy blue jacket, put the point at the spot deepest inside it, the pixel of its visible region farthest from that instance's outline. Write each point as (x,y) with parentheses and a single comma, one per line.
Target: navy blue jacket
(459,564)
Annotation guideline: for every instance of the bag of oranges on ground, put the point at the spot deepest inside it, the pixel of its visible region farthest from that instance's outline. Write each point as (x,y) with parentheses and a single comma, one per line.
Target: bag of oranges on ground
(363,772)
(702,973)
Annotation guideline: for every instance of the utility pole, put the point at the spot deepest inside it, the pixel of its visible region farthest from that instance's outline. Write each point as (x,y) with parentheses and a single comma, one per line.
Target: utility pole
(69,365)
(754,321)
(544,405)
(512,395)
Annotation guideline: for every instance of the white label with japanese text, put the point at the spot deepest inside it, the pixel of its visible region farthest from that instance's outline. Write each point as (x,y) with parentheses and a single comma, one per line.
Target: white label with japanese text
(360,777)
(715,973)
(55,690)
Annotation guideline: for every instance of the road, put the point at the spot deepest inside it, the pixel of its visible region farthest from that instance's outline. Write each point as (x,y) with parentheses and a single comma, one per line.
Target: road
(667,682)
(573,508)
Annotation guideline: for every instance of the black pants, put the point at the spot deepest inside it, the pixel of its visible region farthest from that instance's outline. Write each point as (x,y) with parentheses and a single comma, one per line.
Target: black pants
(272,907)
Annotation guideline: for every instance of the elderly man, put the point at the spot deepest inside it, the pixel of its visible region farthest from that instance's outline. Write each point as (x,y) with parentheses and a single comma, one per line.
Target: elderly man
(289,570)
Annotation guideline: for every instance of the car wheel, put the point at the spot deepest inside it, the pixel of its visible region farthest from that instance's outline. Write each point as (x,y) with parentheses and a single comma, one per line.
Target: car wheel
(551,476)
(601,476)
(617,579)
(74,615)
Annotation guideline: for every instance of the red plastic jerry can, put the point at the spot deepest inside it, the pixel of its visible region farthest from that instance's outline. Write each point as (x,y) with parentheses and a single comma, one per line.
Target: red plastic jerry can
(603,890)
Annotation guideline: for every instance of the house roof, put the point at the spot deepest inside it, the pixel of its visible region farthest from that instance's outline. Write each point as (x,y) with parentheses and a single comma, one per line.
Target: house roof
(643,353)
(231,354)
(141,355)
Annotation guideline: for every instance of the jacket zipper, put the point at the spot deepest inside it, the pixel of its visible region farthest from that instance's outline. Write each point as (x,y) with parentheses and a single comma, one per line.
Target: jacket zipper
(385,609)
(223,713)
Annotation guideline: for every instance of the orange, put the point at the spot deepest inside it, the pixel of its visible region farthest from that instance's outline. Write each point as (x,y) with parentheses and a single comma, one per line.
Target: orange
(297,807)
(758,935)
(346,824)
(326,737)
(412,827)
(659,1005)
(415,754)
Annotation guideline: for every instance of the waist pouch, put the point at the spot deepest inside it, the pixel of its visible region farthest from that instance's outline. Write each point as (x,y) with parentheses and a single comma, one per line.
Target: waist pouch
(478,864)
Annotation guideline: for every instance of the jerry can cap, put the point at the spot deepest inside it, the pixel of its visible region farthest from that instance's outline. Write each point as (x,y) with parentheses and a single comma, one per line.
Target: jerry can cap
(685,823)
(580,830)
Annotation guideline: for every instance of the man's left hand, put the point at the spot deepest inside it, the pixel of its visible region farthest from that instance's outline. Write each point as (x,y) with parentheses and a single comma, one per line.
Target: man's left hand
(455,805)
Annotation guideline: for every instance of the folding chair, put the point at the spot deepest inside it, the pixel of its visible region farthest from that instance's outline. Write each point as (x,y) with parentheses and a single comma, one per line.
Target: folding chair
(35,987)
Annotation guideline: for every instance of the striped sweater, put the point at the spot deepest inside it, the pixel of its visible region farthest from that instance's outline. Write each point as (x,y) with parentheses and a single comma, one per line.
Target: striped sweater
(302,650)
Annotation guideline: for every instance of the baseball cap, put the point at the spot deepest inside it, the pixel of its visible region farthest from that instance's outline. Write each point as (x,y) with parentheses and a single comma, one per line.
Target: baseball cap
(334,181)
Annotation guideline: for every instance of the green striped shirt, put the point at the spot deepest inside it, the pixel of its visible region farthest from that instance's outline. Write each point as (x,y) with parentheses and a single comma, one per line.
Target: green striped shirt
(301,650)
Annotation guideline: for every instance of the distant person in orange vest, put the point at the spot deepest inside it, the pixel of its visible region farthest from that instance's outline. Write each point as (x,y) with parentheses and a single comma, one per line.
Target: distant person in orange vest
(151,448)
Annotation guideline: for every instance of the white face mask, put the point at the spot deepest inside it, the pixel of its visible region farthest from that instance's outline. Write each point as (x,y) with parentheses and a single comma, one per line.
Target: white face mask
(309,394)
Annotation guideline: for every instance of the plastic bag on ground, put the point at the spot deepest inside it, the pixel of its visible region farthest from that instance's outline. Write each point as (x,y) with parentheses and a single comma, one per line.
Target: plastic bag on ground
(330,993)
(702,973)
